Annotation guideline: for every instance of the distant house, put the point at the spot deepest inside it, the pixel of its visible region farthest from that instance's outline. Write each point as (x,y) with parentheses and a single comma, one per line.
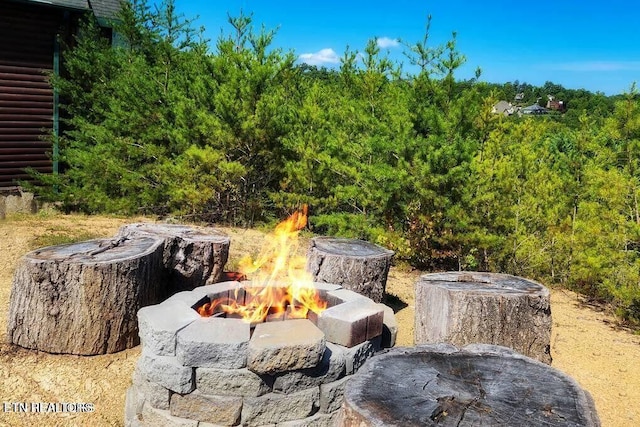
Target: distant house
(554,104)
(504,108)
(31,33)
(534,109)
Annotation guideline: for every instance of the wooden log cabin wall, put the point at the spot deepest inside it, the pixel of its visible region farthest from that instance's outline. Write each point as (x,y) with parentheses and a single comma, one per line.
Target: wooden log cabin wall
(30,35)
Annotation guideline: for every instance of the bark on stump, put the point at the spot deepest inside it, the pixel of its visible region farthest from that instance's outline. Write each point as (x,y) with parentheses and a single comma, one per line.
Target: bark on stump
(478,385)
(193,256)
(83,298)
(354,264)
(469,307)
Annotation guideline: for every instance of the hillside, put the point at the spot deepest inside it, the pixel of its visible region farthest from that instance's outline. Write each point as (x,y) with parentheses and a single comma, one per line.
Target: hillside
(585,341)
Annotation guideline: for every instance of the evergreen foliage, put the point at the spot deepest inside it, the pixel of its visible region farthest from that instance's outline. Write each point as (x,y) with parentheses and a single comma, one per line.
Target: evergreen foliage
(160,124)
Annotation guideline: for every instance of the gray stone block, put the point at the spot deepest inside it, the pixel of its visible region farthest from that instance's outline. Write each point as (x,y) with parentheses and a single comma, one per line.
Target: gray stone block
(317,420)
(152,417)
(134,423)
(212,342)
(158,325)
(189,298)
(278,408)
(331,367)
(214,291)
(331,395)
(389,327)
(232,382)
(133,404)
(351,323)
(284,346)
(340,296)
(223,410)
(375,325)
(356,356)
(157,395)
(326,287)
(166,371)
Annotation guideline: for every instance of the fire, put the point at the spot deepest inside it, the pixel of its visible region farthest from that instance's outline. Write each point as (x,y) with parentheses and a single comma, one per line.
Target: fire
(280,285)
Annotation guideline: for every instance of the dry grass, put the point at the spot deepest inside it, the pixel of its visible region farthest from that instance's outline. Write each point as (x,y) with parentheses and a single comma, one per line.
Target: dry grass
(603,359)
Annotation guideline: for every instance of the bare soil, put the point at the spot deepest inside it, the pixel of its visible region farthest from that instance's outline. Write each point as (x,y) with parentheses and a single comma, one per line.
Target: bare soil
(586,343)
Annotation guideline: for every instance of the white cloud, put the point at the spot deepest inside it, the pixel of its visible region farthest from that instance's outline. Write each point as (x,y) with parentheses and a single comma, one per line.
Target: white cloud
(596,66)
(386,42)
(321,57)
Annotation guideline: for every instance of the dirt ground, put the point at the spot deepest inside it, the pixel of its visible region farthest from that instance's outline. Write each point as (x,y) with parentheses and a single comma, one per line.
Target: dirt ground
(586,344)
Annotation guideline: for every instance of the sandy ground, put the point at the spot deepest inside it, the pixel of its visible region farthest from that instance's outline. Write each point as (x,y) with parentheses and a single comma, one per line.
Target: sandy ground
(586,344)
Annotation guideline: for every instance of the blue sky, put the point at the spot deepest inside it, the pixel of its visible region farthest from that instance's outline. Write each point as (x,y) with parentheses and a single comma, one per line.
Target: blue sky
(587,44)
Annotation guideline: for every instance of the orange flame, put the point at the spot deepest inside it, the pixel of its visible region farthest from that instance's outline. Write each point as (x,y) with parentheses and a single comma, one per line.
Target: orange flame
(280,285)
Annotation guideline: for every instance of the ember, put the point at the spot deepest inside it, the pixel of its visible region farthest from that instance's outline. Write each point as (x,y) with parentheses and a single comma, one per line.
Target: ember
(280,284)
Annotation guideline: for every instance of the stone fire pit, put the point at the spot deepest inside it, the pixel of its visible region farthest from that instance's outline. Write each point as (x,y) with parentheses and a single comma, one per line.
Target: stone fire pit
(224,371)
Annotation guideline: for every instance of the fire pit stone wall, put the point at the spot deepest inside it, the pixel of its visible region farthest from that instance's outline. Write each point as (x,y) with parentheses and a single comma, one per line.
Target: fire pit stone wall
(203,371)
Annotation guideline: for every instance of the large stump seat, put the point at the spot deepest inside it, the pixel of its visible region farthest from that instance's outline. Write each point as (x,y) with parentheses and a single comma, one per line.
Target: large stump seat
(354,264)
(83,298)
(478,385)
(471,307)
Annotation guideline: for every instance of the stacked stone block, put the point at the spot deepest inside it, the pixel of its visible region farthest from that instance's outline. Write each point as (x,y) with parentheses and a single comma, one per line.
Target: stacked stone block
(214,371)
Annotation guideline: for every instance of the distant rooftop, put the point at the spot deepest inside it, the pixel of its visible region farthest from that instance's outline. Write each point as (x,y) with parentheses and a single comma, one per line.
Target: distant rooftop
(534,109)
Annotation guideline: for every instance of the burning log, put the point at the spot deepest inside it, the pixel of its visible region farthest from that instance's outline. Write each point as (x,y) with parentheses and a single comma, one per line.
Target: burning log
(354,264)
(480,384)
(469,307)
(82,298)
(193,256)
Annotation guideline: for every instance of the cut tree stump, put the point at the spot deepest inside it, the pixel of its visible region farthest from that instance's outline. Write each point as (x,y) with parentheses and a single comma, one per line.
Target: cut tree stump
(83,298)
(193,256)
(354,264)
(470,307)
(478,385)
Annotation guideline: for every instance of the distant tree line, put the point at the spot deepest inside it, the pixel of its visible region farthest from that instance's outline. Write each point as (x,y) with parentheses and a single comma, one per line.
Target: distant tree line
(162,123)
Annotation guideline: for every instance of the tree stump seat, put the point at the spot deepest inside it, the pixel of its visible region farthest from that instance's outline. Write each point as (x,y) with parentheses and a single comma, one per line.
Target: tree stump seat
(83,298)
(472,307)
(478,385)
(193,256)
(354,264)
